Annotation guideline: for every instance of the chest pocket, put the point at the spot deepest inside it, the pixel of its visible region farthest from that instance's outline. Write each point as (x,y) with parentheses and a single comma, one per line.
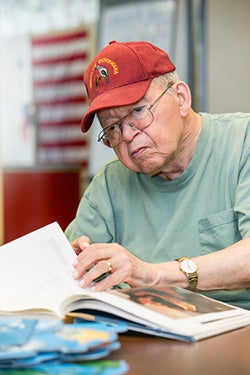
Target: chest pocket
(218,231)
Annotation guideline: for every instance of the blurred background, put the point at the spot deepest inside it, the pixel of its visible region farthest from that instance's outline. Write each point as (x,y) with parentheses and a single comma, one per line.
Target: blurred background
(45,45)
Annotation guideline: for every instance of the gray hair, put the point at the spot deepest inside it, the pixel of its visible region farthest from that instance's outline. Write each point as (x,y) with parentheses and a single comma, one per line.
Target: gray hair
(166,79)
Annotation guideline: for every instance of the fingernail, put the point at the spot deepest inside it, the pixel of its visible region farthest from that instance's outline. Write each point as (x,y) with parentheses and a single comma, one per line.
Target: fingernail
(81,283)
(75,274)
(85,244)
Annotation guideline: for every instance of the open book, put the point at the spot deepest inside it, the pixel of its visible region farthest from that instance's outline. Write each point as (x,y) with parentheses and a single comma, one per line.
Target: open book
(36,278)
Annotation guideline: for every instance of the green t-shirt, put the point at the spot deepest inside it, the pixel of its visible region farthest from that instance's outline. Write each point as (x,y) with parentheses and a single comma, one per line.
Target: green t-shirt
(204,210)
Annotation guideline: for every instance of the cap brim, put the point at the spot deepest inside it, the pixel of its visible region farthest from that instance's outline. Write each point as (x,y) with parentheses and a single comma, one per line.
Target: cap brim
(117,97)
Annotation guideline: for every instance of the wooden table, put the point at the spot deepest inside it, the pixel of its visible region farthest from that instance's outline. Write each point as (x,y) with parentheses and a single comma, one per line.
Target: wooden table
(226,354)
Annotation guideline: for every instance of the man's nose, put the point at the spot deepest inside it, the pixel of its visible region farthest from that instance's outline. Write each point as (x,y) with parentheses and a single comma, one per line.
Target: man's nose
(129,131)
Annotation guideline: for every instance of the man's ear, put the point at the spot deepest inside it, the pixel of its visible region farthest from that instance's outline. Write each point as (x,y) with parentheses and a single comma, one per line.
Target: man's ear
(184,97)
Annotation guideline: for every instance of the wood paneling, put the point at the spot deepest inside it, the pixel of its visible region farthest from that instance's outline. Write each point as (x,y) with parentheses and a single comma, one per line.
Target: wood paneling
(36,197)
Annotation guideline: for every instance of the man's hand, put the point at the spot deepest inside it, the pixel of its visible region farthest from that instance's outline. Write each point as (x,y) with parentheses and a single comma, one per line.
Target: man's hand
(114,260)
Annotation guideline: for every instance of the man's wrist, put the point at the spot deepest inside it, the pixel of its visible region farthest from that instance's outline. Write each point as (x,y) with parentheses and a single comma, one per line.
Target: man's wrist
(190,269)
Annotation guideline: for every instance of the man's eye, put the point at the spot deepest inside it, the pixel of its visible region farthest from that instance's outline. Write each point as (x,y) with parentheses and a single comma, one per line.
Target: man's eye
(139,110)
(112,128)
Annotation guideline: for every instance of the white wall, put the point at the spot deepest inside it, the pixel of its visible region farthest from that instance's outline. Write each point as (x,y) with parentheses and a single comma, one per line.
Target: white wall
(228,55)
(17,135)
(1,206)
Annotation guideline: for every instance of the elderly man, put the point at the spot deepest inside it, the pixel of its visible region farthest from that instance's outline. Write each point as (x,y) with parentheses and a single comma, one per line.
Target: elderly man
(173,207)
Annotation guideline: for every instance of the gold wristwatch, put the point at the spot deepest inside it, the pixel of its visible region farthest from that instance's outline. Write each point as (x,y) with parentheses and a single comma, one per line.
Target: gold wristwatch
(189,268)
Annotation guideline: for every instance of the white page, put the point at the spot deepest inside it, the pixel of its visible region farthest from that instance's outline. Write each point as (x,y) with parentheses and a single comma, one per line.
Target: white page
(36,269)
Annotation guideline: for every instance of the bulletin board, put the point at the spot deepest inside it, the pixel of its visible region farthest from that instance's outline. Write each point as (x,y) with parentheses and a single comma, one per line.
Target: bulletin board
(152,21)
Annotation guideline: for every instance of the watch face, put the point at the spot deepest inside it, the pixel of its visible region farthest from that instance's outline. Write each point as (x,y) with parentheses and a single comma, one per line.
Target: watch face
(188,266)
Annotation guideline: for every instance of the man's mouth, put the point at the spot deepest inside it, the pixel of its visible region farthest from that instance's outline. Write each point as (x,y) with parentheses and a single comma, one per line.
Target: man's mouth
(137,153)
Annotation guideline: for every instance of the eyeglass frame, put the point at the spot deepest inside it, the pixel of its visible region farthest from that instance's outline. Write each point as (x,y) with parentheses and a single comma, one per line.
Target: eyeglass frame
(102,133)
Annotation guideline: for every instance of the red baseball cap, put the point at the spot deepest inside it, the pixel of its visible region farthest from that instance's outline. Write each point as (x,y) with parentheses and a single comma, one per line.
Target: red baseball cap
(120,74)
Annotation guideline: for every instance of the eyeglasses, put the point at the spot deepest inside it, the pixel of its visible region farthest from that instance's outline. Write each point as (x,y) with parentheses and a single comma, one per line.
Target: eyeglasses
(138,119)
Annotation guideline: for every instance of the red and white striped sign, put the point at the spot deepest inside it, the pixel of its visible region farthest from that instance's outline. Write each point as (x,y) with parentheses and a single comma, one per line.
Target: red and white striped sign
(58,61)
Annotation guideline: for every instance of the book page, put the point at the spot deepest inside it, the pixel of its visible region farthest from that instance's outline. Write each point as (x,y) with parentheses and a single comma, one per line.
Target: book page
(36,270)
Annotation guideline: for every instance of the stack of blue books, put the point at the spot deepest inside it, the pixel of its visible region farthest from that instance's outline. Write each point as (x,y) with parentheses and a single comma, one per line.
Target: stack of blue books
(43,346)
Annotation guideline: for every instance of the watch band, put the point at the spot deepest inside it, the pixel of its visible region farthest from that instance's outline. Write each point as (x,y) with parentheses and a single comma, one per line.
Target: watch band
(189,268)
(193,281)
